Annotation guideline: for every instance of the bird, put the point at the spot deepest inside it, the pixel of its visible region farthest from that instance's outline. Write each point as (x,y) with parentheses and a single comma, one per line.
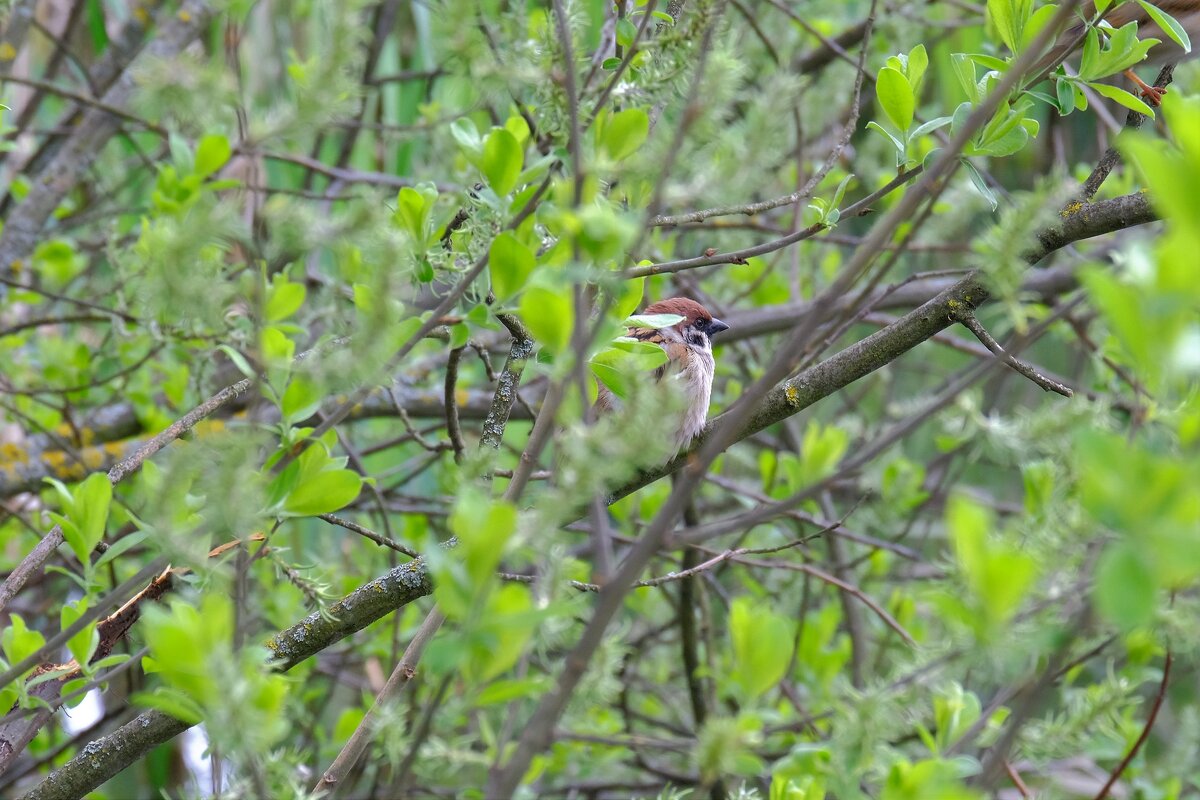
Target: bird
(1185,12)
(688,345)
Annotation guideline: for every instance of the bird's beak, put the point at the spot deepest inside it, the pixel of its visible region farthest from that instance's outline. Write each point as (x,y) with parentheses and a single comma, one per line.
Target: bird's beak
(716,326)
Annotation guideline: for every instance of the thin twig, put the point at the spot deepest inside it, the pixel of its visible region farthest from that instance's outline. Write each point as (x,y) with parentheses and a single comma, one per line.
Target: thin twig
(1016,779)
(350,525)
(405,669)
(453,427)
(1145,734)
(971,323)
(855,209)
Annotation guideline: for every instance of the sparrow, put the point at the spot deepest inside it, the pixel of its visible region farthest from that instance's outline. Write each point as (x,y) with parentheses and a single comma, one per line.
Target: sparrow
(1185,12)
(688,345)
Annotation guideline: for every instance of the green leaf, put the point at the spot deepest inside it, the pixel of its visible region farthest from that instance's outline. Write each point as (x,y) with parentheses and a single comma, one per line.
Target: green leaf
(918,63)
(981,184)
(284,298)
(300,400)
(899,145)
(18,641)
(1009,17)
(83,644)
(1037,21)
(501,161)
(1123,97)
(510,264)
(93,498)
(630,297)
(1169,25)
(1125,591)
(414,205)
(653,321)
(510,626)
(762,646)
(326,492)
(997,574)
(895,97)
(624,132)
(964,70)
(212,153)
(930,126)
(467,135)
(115,550)
(549,315)
(626,31)
(460,334)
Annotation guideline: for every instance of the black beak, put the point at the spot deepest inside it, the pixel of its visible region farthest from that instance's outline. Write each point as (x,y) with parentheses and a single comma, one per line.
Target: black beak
(716,326)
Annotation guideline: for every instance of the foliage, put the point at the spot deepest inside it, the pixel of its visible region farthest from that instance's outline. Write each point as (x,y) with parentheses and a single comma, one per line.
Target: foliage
(400,247)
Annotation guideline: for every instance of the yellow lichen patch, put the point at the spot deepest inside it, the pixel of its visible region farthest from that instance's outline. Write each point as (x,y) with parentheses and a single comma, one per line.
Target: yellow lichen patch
(1074,207)
(13,452)
(792,394)
(7,52)
(62,466)
(92,457)
(54,459)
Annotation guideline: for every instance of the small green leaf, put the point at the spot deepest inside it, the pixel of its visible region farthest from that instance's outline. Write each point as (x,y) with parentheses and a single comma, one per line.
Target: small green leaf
(326,492)
(549,315)
(212,153)
(467,135)
(501,161)
(1170,26)
(460,334)
(83,644)
(300,400)
(624,132)
(93,498)
(762,646)
(284,298)
(510,264)
(899,145)
(18,641)
(981,184)
(653,321)
(895,97)
(1123,97)
(625,32)
(629,298)
(918,63)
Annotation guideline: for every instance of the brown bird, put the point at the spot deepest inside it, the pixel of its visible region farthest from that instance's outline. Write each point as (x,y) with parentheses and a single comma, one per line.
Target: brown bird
(1185,12)
(688,345)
